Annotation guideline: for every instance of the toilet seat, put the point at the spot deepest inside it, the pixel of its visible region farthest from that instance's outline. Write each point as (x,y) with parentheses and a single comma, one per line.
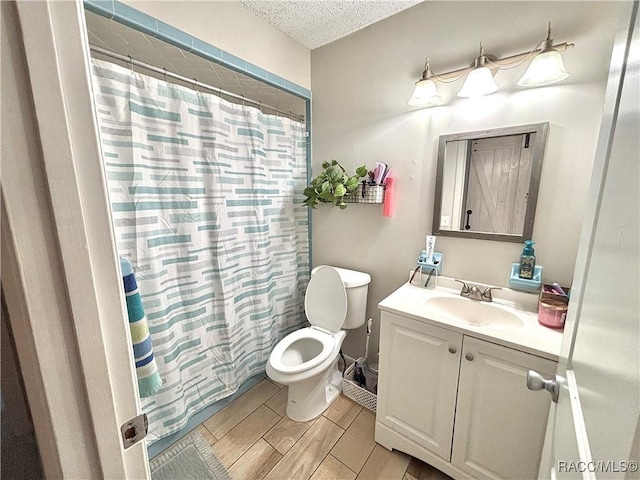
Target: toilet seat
(325,305)
(279,359)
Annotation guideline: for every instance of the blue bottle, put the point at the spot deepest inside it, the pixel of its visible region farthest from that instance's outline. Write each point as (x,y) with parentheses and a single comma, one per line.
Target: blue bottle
(527,261)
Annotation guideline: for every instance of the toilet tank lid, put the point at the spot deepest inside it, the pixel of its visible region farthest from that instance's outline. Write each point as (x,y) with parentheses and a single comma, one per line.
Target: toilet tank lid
(350,278)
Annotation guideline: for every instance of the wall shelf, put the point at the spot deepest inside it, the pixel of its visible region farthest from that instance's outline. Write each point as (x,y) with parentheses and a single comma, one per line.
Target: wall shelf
(366,194)
(532,285)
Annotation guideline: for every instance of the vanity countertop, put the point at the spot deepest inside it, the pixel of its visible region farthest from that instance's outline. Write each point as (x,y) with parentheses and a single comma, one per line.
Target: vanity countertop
(412,300)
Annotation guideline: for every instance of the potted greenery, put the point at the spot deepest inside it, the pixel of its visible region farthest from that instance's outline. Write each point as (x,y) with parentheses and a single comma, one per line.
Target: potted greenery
(332,184)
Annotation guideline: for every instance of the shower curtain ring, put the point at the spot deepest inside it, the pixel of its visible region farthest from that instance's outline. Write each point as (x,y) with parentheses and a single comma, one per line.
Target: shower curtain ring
(242,99)
(165,74)
(195,85)
(130,63)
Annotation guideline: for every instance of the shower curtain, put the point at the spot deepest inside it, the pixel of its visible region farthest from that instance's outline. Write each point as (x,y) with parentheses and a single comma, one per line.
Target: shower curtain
(206,198)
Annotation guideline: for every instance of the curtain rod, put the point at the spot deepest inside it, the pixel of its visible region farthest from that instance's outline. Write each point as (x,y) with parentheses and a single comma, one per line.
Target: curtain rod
(190,81)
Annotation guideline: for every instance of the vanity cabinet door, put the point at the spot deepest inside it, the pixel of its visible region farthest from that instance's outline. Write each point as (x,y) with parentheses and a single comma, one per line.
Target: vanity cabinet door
(500,424)
(418,380)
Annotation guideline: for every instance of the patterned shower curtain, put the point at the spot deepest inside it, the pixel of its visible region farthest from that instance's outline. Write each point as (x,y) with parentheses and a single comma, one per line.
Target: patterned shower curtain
(207,205)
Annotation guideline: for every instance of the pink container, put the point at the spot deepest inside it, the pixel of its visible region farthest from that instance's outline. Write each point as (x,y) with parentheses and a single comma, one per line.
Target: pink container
(552,312)
(388,210)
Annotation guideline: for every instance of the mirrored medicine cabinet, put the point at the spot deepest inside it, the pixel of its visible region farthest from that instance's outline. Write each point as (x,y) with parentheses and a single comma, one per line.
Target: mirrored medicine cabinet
(487,183)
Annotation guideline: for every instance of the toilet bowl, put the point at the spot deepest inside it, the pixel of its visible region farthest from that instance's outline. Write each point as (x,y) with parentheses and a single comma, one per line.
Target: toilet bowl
(307,359)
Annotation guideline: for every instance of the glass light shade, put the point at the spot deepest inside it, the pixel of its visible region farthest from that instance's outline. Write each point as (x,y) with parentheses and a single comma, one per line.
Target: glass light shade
(479,82)
(425,95)
(546,68)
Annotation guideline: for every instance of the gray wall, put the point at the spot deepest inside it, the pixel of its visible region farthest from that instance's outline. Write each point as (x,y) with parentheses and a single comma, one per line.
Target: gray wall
(360,88)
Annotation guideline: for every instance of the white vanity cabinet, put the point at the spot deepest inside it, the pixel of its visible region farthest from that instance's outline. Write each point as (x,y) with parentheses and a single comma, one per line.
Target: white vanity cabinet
(418,381)
(458,402)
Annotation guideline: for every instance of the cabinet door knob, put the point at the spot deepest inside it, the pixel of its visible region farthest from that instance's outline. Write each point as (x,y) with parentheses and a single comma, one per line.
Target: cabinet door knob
(535,381)
(452,349)
(468,356)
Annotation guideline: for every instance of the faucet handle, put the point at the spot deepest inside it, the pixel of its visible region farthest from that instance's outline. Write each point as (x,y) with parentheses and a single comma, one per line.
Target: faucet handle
(487,293)
(465,287)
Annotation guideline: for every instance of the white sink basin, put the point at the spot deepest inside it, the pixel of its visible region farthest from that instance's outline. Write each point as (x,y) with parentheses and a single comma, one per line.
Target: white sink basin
(473,312)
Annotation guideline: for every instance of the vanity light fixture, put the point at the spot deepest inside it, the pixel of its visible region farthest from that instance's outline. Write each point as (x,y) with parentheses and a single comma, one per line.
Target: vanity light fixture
(479,80)
(546,68)
(425,94)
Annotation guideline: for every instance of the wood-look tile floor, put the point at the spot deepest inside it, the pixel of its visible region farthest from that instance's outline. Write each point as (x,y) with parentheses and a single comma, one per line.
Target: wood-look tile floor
(254,440)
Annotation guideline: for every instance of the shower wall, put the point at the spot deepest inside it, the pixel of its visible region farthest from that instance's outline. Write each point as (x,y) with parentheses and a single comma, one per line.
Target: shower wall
(237,31)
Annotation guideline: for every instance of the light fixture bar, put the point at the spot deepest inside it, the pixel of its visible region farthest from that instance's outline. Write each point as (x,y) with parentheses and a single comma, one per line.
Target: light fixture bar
(454,74)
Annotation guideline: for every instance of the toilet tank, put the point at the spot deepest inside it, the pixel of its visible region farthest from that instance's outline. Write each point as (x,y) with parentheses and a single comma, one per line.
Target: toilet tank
(357,287)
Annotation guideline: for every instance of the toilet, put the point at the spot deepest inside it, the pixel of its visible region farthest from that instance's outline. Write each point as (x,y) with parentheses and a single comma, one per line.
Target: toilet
(307,359)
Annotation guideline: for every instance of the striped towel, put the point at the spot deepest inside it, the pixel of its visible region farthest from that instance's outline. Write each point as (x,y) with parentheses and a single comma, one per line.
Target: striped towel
(149,381)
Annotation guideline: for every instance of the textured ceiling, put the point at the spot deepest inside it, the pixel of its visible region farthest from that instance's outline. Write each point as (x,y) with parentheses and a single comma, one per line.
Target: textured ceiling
(121,39)
(314,23)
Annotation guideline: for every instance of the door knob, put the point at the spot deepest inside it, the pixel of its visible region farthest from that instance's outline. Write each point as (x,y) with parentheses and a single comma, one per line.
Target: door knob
(535,381)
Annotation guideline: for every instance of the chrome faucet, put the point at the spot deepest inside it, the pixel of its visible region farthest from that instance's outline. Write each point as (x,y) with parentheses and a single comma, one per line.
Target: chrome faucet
(475,293)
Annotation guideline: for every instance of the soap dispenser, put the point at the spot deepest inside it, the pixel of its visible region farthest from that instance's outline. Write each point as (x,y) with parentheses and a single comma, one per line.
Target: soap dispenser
(527,261)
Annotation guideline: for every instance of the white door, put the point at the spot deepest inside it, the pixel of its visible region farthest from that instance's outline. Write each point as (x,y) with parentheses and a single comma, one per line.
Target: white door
(418,383)
(594,429)
(60,272)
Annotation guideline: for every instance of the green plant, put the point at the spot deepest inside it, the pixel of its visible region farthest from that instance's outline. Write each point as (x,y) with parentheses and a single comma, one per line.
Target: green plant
(332,184)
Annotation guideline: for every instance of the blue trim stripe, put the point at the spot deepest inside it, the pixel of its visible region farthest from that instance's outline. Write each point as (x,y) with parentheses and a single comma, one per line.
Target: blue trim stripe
(249,132)
(167,190)
(181,348)
(142,22)
(192,217)
(137,206)
(170,261)
(117,143)
(154,242)
(248,203)
(154,112)
(200,113)
(163,139)
(257,229)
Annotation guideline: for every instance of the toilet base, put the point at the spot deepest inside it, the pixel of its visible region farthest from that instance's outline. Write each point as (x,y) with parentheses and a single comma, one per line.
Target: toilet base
(309,398)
